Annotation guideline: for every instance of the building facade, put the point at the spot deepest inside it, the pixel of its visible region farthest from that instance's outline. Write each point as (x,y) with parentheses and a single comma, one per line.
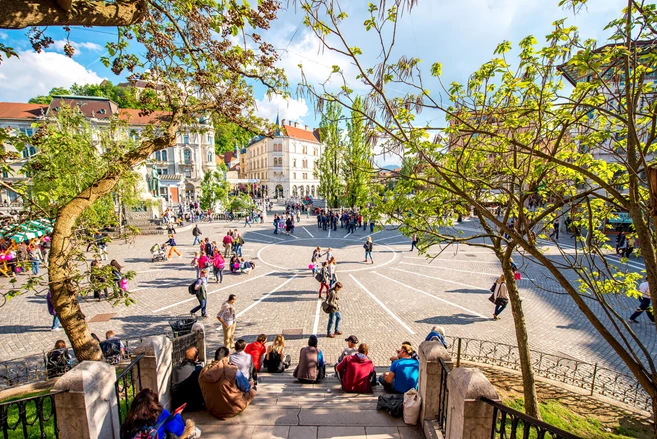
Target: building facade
(284,165)
(172,175)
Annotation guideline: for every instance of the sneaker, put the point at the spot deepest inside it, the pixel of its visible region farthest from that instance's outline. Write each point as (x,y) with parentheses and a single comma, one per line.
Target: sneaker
(632,321)
(338,333)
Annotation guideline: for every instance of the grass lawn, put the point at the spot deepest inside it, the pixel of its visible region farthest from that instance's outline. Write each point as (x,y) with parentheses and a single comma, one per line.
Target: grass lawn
(33,432)
(558,415)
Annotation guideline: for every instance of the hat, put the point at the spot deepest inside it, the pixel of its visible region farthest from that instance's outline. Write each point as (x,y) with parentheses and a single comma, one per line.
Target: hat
(352,338)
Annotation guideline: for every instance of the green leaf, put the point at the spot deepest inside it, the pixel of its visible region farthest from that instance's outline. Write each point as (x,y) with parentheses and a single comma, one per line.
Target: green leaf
(436,69)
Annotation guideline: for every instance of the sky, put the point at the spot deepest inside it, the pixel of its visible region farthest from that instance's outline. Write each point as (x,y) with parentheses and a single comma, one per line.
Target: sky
(461,34)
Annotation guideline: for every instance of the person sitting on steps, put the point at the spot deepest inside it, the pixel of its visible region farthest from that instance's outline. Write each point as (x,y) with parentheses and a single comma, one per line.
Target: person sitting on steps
(403,374)
(356,372)
(311,367)
(184,382)
(276,361)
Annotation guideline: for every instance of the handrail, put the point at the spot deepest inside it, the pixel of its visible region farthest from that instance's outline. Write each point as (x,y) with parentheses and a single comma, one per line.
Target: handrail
(527,420)
(51,393)
(129,367)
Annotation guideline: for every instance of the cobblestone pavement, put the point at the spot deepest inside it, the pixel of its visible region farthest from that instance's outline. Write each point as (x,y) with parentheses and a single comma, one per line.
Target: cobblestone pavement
(399,297)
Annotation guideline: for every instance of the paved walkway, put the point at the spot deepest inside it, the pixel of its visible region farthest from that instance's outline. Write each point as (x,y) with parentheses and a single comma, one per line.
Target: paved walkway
(399,297)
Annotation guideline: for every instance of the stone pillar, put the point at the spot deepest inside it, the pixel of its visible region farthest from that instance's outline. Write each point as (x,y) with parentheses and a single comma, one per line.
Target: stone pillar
(88,410)
(199,329)
(155,366)
(430,352)
(467,416)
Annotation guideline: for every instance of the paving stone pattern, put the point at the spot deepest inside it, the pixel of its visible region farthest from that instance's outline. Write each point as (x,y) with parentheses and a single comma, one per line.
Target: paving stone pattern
(398,298)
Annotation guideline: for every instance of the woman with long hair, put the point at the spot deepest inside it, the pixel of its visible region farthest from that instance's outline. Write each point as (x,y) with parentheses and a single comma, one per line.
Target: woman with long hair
(147,414)
(275,359)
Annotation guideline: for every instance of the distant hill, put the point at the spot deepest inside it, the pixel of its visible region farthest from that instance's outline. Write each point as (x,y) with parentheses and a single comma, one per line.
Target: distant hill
(389,167)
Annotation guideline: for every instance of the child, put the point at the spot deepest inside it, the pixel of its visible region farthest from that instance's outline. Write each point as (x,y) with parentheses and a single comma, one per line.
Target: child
(194,264)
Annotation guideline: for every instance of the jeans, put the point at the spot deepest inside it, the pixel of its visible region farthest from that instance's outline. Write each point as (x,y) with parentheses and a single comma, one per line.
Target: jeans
(368,254)
(389,387)
(238,250)
(55,322)
(499,309)
(321,288)
(202,304)
(371,227)
(246,223)
(35,266)
(412,245)
(218,273)
(332,281)
(644,303)
(275,229)
(337,316)
(197,240)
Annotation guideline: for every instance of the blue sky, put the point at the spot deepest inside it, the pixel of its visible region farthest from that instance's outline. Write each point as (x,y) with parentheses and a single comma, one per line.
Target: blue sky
(461,34)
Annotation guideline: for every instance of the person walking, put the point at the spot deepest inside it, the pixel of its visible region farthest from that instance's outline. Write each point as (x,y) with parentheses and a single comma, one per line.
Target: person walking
(172,247)
(238,242)
(226,316)
(201,288)
(644,303)
(196,232)
(35,255)
(500,297)
(334,310)
(368,249)
(276,221)
(323,278)
(413,241)
(555,231)
(247,220)
(52,312)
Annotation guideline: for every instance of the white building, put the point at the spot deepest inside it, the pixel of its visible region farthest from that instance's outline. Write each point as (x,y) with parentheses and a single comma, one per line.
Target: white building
(285,164)
(172,175)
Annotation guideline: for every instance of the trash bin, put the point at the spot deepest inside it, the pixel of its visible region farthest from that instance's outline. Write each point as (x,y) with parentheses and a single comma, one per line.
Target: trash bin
(182,325)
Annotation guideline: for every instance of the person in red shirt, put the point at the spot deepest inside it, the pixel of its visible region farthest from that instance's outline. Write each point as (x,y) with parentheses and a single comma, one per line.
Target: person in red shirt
(257,350)
(357,371)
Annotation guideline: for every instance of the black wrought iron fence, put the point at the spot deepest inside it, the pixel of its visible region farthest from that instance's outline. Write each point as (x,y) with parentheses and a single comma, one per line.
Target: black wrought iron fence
(595,379)
(128,384)
(33,368)
(508,423)
(32,417)
(443,397)
(180,345)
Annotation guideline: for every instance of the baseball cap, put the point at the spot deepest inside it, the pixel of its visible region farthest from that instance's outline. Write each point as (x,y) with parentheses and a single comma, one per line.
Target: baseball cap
(352,338)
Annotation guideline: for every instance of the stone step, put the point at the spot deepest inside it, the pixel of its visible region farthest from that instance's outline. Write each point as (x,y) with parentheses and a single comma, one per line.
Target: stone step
(310,432)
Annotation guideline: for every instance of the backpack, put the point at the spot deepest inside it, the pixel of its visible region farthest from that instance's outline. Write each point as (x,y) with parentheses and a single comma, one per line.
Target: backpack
(191,289)
(149,432)
(111,349)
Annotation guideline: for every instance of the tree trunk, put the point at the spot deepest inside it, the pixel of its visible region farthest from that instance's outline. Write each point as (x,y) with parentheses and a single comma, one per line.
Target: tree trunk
(522,339)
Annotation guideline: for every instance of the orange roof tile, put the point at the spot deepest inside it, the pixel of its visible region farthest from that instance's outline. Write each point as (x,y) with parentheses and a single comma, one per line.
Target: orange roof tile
(14,110)
(300,133)
(134,118)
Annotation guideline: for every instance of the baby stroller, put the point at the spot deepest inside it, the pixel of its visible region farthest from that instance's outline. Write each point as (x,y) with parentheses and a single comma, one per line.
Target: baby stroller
(158,253)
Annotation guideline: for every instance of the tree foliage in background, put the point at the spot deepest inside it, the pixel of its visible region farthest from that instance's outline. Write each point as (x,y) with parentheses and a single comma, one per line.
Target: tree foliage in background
(330,165)
(188,51)
(214,189)
(124,96)
(518,139)
(241,203)
(357,168)
(228,135)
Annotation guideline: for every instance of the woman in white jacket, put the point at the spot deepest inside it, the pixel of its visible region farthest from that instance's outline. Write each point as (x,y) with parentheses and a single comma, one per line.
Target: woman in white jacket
(500,296)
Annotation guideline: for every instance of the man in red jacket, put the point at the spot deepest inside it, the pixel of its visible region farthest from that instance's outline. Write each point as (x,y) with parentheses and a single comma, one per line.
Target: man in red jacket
(357,371)
(257,350)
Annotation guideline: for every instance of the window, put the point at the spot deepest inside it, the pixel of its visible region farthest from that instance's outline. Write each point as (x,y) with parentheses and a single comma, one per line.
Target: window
(188,173)
(294,163)
(164,156)
(28,152)
(187,157)
(210,157)
(305,150)
(186,139)
(5,174)
(305,164)
(27,131)
(158,156)
(162,171)
(210,139)
(315,151)
(294,176)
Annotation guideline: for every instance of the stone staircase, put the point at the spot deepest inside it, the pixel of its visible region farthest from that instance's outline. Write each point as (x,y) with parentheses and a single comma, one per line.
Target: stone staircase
(285,408)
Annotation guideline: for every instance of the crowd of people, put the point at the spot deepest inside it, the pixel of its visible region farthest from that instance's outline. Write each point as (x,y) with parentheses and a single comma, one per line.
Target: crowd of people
(23,257)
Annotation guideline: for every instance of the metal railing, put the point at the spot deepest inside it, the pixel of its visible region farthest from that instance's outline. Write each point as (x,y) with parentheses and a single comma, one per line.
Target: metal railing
(443,397)
(593,378)
(29,369)
(180,345)
(128,384)
(511,424)
(32,417)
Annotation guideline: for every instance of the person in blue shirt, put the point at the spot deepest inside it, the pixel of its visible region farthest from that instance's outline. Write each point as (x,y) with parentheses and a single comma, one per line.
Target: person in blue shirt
(146,413)
(171,242)
(404,372)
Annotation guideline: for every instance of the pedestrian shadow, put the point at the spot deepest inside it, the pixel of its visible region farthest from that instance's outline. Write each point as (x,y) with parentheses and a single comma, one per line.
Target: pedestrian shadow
(454,319)
(469,291)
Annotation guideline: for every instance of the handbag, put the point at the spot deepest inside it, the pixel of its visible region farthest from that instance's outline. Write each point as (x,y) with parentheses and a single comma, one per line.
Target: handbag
(492,298)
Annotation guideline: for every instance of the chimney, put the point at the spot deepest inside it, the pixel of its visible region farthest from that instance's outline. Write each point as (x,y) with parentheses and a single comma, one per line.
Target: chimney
(283,122)
(306,128)
(296,124)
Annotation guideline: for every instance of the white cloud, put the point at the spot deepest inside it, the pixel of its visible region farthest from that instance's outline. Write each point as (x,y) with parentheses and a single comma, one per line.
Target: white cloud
(3,35)
(36,73)
(288,109)
(58,45)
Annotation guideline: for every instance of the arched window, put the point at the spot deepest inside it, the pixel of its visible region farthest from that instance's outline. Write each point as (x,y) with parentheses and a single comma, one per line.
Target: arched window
(187,156)
(305,150)
(312,190)
(294,191)
(164,156)
(210,156)
(158,156)
(294,163)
